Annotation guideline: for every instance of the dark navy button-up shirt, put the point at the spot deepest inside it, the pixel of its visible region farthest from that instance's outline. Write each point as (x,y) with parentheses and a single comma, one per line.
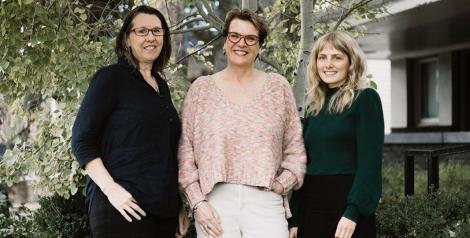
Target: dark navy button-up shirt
(135,131)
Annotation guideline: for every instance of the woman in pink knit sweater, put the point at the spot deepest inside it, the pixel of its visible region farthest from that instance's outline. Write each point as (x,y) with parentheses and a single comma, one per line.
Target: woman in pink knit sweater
(241,149)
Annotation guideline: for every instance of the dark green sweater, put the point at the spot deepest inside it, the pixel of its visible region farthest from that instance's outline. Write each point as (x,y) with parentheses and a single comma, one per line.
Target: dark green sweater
(350,142)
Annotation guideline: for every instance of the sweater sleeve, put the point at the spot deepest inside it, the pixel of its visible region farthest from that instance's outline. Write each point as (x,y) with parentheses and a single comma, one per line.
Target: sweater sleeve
(367,185)
(97,105)
(188,171)
(294,160)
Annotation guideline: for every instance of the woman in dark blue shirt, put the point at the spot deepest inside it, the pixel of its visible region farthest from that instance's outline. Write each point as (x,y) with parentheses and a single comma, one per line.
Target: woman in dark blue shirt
(126,134)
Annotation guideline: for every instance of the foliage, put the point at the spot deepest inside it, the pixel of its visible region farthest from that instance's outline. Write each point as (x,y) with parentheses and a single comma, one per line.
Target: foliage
(17,225)
(439,215)
(444,214)
(57,217)
(49,53)
(60,217)
(284,20)
(4,201)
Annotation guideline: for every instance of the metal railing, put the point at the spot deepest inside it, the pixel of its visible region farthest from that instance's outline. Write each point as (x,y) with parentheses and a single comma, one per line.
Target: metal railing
(432,161)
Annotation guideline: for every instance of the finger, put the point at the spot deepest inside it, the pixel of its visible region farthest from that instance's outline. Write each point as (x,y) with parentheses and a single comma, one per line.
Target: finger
(214,228)
(124,214)
(203,229)
(215,214)
(338,231)
(342,233)
(137,208)
(131,211)
(212,232)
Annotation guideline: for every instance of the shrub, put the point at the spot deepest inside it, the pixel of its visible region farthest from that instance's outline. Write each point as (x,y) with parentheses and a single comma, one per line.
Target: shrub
(19,224)
(60,217)
(436,215)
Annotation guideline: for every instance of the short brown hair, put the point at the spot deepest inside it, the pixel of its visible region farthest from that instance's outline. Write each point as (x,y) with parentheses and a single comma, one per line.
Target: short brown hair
(247,15)
(124,53)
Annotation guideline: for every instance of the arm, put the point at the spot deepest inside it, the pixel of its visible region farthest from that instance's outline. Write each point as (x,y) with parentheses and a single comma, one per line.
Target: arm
(206,216)
(294,159)
(98,104)
(188,172)
(367,185)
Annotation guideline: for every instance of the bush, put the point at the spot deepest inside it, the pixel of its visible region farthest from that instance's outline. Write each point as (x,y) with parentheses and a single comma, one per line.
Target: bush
(19,224)
(436,215)
(60,217)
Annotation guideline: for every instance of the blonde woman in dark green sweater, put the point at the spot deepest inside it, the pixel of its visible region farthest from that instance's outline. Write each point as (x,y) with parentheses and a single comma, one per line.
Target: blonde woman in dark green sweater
(343,135)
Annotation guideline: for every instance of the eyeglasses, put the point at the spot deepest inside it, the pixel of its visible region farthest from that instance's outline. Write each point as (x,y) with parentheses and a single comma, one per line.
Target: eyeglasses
(144,31)
(249,39)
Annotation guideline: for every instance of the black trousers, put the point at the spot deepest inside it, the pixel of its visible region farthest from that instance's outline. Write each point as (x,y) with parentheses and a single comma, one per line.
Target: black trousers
(107,222)
(323,200)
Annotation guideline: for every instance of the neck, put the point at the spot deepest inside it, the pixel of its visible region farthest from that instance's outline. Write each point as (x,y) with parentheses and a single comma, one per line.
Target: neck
(240,73)
(145,69)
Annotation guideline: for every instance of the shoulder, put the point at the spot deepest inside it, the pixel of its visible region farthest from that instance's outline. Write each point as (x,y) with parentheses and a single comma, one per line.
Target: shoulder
(278,82)
(278,79)
(111,73)
(368,94)
(200,83)
(368,99)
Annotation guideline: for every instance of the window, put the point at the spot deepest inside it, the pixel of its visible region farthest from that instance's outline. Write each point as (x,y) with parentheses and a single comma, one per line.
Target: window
(429,77)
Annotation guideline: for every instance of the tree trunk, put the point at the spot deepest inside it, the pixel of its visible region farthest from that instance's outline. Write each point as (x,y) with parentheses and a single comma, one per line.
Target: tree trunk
(306,42)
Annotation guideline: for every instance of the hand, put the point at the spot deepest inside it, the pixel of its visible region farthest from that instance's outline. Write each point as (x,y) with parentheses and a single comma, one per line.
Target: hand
(345,228)
(183,224)
(208,220)
(123,201)
(277,188)
(293,232)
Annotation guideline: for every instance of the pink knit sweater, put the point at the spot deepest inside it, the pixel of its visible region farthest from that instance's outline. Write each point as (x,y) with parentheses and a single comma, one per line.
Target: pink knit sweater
(252,144)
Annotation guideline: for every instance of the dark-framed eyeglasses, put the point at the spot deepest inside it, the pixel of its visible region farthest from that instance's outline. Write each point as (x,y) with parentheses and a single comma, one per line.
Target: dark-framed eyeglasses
(144,31)
(249,39)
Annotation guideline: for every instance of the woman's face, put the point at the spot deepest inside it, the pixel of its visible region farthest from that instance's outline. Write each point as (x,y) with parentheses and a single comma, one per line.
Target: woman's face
(332,66)
(242,43)
(146,38)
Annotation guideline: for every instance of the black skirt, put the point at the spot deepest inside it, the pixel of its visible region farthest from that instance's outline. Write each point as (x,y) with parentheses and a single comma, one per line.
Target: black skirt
(107,222)
(323,200)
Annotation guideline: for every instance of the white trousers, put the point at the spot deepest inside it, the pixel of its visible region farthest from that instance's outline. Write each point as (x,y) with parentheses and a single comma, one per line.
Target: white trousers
(248,212)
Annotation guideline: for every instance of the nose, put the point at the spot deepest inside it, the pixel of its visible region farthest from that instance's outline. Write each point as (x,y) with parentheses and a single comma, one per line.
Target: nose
(328,62)
(242,41)
(150,37)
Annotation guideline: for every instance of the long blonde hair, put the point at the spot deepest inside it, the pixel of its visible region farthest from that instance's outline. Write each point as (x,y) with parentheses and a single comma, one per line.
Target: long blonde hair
(316,88)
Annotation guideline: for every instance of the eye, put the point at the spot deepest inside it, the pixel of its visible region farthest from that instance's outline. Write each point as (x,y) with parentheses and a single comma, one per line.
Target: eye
(234,35)
(252,38)
(157,30)
(321,57)
(141,31)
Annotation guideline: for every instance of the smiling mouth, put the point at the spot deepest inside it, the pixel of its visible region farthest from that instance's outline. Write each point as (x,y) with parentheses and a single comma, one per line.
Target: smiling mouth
(150,47)
(240,52)
(330,73)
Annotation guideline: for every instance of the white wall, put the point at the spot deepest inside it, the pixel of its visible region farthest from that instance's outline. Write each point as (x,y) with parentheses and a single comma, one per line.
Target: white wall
(381,74)
(399,113)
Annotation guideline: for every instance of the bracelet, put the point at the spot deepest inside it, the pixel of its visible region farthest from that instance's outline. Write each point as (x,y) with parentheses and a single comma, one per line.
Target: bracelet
(198,204)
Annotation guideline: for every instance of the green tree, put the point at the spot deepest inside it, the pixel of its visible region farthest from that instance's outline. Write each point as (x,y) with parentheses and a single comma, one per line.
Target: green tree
(50,48)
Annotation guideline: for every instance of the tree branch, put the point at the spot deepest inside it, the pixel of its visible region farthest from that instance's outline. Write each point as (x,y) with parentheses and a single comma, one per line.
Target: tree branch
(351,10)
(202,47)
(271,63)
(210,16)
(201,28)
(184,18)
(187,22)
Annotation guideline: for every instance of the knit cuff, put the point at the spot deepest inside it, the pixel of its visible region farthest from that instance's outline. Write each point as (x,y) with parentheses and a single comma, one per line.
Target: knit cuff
(288,180)
(194,194)
(352,213)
